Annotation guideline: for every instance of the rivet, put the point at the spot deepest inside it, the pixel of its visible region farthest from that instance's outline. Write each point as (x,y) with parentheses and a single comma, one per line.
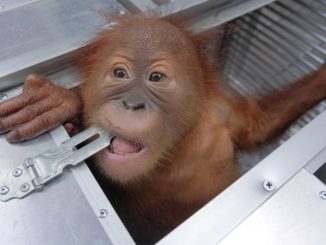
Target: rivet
(17,172)
(4,190)
(322,195)
(24,187)
(103,213)
(268,185)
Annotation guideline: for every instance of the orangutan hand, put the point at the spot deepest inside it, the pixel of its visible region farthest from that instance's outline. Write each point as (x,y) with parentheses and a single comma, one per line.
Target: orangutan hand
(41,106)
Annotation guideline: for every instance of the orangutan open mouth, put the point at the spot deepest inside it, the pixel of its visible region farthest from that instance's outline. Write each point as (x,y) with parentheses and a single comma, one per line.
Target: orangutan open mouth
(123,147)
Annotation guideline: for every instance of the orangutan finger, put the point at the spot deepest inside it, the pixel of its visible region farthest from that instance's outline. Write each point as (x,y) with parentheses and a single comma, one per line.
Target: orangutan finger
(15,104)
(34,81)
(38,125)
(26,114)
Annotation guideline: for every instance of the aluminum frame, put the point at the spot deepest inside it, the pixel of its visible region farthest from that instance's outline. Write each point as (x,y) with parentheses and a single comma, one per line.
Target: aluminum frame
(36,40)
(55,215)
(248,186)
(212,223)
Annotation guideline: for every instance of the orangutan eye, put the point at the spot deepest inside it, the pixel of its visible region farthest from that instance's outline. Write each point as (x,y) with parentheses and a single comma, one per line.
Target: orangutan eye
(120,73)
(157,77)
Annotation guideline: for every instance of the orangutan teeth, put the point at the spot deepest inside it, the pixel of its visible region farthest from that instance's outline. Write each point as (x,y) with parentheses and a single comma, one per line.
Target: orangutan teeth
(121,153)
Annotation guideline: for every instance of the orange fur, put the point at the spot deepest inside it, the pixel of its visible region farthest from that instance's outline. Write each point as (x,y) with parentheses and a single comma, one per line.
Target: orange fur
(195,135)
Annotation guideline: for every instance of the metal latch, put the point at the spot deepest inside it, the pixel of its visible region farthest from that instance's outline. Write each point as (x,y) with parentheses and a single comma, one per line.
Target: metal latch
(36,171)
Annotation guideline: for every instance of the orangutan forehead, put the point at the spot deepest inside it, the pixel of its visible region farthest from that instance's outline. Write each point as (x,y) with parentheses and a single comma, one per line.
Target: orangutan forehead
(148,34)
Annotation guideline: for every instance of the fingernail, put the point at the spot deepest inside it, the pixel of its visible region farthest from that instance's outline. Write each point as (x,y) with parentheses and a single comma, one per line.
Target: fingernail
(31,77)
(2,128)
(12,137)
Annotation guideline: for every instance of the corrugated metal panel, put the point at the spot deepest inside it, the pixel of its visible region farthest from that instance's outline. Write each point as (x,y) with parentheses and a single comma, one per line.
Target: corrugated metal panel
(275,45)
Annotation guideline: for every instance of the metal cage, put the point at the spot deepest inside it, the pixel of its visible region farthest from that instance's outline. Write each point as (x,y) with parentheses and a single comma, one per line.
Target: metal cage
(271,44)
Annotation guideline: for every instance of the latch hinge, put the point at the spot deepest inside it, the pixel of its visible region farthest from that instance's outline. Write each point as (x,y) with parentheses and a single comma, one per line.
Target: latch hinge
(36,171)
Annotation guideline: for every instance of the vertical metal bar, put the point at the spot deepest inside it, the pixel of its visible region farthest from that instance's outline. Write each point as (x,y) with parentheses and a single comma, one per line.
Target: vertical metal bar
(138,6)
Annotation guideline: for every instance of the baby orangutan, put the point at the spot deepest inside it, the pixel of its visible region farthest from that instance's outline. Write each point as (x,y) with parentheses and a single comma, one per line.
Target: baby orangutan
(149,84)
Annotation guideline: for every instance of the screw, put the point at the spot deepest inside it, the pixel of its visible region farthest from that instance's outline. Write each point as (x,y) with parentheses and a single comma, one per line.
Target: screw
(4,190)
(24,187)
(3,96)
(17,172)
(322,195)
(268,185)
(103,213)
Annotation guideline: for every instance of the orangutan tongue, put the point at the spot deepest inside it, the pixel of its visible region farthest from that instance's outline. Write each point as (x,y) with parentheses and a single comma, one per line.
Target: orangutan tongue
(121,146)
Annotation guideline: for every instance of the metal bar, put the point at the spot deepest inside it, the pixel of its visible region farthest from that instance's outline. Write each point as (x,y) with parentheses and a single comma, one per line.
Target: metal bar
(247,75)
(255,51)
(260,44)
(138,6)
(112,225)
(285,37)
(60,40)
(268,85)
(189,7)
(220,18)
(298,22)
(13,76)
(313,165)
(240,87)
(258,52)
(249,68)
(11,4)
(222,214)
(40,169)
(286,29)
(318,8)
(251,63)
(303,121)
(295,214)
(252,57)
(236,73)
(309,8)
(276,38)
(294,35)
(279,43)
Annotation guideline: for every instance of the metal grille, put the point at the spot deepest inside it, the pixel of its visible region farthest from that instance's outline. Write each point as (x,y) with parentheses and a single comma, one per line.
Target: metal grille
(275,45)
